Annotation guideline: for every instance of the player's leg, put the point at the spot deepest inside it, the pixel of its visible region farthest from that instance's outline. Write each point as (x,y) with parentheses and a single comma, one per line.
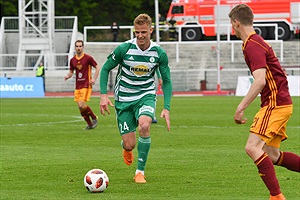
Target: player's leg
(288,160)
(128,144)
(264,164)
(127,124)
(269,126)
(79,98)
(84,113)
(154,121)
(144,142)
(83,95)
(146,113)
(87,96)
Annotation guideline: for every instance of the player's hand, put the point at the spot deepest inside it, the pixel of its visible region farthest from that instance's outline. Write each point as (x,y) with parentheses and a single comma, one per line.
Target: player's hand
(69,75)
(92,81)
(160,82)
(238,117)
(166,114)
(104,102)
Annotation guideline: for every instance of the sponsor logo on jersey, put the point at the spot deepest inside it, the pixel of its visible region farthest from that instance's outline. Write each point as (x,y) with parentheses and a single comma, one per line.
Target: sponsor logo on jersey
(79,65)
(146,109)
(152,59)
(140,70)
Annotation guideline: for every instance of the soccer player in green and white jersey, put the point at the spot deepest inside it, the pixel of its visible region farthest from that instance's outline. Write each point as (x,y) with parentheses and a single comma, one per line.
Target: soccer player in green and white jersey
(135,91)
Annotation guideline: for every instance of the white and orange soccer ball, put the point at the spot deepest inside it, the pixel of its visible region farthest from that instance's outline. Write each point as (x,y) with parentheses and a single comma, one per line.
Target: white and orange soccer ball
(96,180)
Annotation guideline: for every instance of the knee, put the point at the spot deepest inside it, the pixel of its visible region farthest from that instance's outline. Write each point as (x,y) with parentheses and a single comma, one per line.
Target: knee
(128,145)
(144,129)
(250,149)
(81,105)
(274,156)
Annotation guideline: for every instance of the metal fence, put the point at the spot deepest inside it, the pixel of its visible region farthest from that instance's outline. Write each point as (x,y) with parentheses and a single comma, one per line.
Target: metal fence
(8,61)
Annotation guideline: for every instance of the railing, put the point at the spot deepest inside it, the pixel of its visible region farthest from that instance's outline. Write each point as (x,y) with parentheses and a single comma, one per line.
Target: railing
(11,25)
(179,28)
(182,79)
(62,23)
(10,61)
(70,24)
(179,31)
(232,42)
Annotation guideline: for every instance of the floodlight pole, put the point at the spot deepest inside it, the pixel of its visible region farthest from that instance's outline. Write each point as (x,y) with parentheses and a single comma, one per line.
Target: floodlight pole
(218,47)
(156,21)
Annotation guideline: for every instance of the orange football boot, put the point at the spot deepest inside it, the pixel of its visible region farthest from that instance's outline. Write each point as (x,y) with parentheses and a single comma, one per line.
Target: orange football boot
(139,178)
(278,197)
(127,157)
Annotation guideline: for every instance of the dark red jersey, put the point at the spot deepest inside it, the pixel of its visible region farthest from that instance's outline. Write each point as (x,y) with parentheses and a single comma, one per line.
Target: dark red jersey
(259,54)
(83,68)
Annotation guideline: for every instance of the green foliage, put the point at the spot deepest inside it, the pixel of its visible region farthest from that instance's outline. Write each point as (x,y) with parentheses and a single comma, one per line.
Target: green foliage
(9,7)
(45,153)
(96,13)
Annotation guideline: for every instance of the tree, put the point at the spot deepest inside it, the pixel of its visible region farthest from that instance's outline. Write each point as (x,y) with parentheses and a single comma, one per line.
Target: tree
(96,13)
(11,8)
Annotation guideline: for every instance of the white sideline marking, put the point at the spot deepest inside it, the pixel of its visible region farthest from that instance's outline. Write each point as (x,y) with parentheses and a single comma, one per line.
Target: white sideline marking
(213,127)
(80,119)
(42,123)
(40,115)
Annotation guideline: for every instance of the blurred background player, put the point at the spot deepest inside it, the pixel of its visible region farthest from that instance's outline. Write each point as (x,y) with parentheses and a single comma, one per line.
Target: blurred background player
(135,90)
(40,72)
(172,29)
(269,126)
(115,31)
(82,64)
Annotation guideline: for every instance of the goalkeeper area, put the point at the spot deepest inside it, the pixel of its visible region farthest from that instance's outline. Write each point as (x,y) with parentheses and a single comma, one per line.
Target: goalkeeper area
(45,153)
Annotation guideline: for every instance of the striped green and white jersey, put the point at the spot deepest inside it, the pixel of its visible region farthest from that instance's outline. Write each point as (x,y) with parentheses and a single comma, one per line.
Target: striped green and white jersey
(136,71)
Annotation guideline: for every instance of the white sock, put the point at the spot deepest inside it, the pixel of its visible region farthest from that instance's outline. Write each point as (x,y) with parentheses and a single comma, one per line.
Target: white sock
(137,171)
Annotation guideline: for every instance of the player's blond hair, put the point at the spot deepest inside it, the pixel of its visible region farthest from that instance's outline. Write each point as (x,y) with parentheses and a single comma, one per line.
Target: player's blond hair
(143,19)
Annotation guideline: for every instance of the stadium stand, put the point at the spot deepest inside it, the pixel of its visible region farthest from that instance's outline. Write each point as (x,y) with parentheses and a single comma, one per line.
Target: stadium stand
(193,64)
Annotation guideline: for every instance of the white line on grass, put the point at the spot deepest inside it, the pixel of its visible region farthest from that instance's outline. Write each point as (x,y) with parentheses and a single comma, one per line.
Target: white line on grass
(39,115)
(42,123)
(80,119)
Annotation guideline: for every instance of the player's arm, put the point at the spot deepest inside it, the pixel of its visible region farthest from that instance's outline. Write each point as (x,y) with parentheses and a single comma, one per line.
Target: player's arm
(167,88)
(96,74)
(104,100)
(166,78)
(259,83)
(69,74)
(112,61)
(159,79)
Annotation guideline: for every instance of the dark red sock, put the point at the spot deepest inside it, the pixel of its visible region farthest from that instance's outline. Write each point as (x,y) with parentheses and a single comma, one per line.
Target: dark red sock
(267,173)
(86,116)
(90,112)
(289,160)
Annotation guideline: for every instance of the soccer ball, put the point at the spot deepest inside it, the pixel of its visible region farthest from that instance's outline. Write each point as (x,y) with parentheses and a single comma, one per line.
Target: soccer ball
(96,180)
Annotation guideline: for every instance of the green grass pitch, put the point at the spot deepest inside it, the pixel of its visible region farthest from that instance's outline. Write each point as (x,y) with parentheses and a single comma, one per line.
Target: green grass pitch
(45,153)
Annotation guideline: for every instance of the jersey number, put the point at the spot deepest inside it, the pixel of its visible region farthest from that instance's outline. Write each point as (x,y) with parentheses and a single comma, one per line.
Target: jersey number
(123,127)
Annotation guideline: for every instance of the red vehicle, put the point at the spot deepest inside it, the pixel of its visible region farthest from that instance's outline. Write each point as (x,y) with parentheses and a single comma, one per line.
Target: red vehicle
(201,13)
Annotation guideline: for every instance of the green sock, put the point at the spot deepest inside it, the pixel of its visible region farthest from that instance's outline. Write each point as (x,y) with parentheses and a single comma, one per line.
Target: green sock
(143,150)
